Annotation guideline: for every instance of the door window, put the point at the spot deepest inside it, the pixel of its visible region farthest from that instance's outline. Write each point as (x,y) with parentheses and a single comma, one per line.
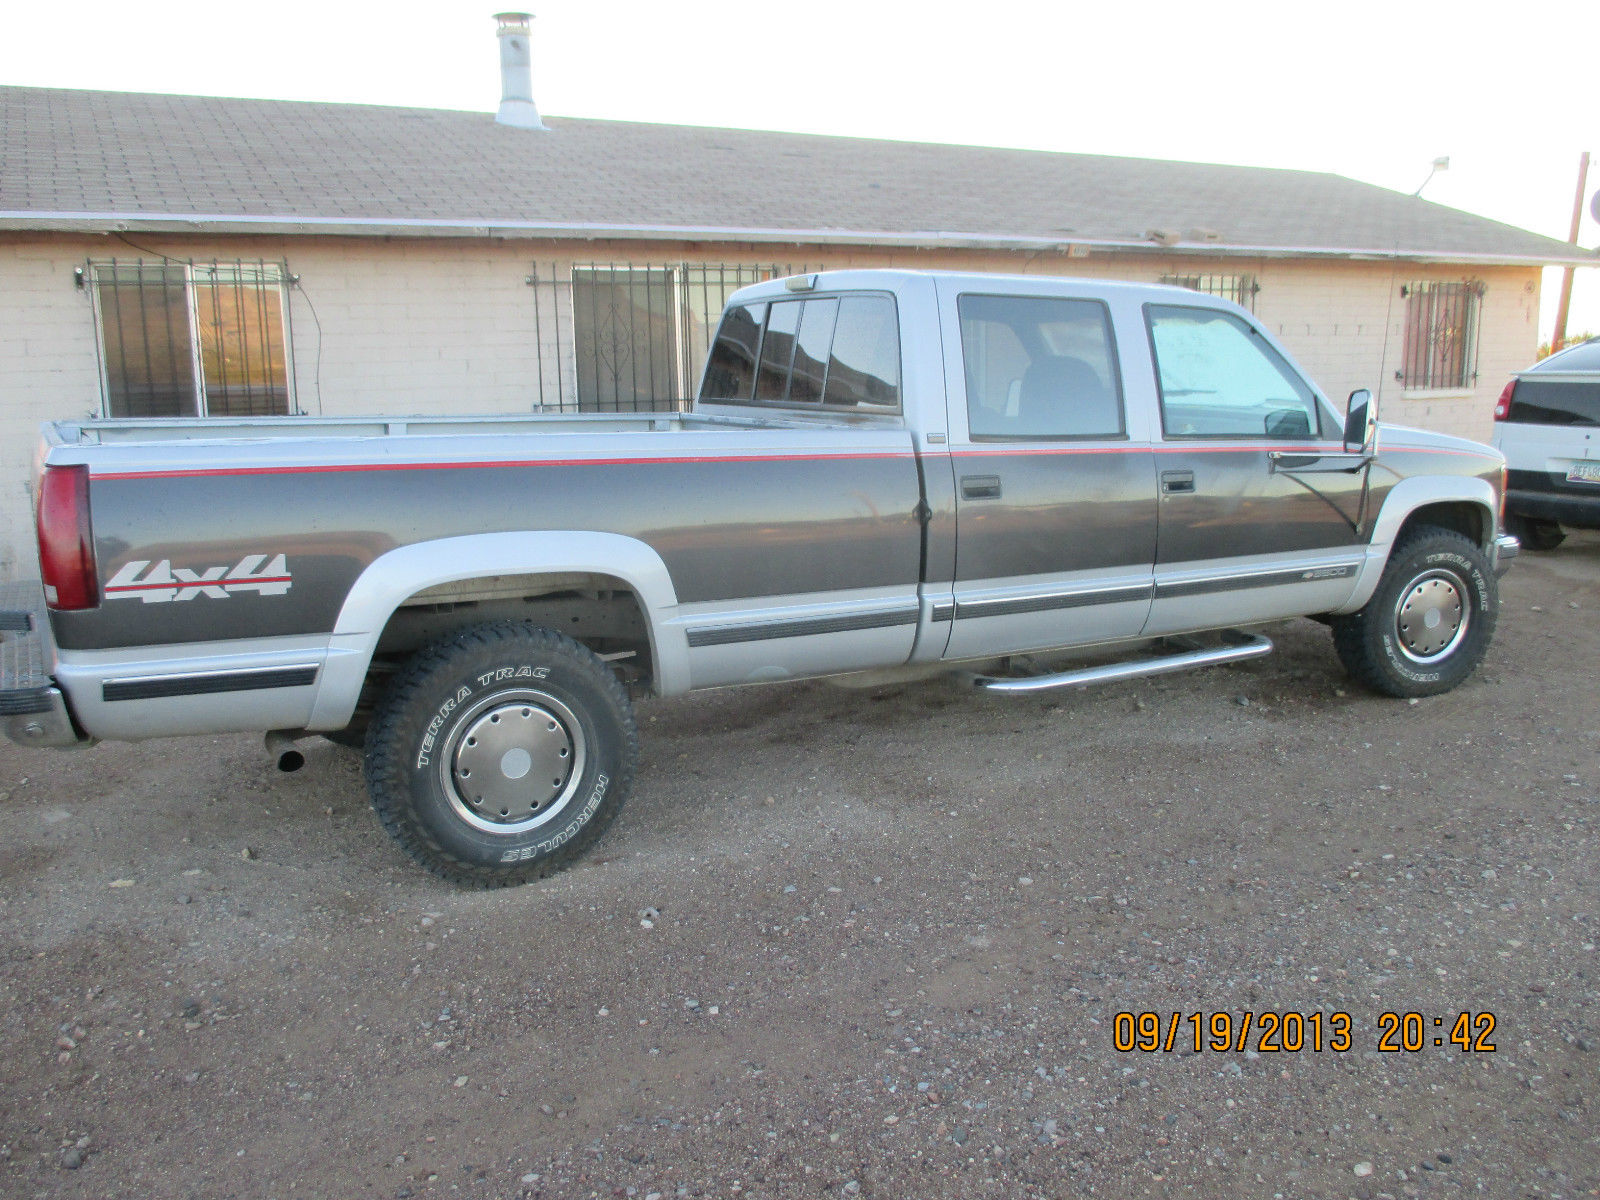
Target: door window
(1039,367)
(1220,379)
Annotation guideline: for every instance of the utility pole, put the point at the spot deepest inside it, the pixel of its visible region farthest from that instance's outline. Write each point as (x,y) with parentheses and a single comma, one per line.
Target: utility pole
(1560,336)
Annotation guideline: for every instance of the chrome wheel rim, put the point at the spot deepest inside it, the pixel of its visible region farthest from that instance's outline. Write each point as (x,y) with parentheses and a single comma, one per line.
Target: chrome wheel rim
(1431,617)
(513,762)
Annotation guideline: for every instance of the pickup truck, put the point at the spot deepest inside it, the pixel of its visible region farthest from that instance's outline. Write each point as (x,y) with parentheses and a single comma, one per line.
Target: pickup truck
(893,472)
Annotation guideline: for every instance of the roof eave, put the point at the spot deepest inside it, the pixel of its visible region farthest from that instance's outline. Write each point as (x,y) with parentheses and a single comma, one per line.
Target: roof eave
(294,225)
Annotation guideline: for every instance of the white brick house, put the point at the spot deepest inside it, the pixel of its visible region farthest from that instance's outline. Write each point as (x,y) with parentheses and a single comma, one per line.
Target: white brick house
(171,256)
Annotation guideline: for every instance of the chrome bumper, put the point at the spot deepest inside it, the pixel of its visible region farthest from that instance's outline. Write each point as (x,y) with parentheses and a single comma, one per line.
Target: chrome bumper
(33,712)
(1506,548)
(47,724)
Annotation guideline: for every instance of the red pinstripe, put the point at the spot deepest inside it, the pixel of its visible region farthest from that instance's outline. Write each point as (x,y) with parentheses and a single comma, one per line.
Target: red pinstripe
(181,583)
(962,452)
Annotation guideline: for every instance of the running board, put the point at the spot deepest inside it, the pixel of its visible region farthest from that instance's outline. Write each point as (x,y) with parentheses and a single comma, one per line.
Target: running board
(1249,645)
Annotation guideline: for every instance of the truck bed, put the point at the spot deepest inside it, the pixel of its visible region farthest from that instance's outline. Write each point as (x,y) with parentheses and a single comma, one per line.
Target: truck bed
(110,432)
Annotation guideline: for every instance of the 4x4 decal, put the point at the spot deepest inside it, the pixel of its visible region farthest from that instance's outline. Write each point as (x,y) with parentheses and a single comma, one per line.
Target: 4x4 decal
(164,582)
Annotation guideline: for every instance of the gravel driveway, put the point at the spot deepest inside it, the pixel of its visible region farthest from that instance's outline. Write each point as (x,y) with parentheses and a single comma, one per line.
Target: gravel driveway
(849,943)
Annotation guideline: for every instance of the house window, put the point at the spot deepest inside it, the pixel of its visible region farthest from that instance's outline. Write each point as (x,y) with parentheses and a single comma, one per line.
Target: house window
(1241,289)
(1441,348)
(185,339)
(640,333)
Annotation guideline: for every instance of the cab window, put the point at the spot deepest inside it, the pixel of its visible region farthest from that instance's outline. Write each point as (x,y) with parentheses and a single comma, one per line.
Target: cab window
(1220,379)
(1038,367)
(834,352)
(731,366)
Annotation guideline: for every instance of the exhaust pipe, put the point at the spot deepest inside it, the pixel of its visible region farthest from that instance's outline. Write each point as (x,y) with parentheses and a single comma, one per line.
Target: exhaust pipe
(282,748)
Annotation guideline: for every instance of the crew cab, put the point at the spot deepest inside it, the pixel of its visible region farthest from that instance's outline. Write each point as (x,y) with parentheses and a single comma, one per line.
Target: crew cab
(899,472)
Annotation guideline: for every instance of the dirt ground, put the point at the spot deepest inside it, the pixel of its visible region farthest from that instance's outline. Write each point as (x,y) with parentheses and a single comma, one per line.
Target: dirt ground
(893,930)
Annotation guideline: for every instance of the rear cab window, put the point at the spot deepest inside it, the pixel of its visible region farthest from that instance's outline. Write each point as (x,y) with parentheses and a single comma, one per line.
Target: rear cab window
(836,353)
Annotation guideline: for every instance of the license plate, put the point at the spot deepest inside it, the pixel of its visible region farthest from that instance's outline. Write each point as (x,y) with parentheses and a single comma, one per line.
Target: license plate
(1584,472)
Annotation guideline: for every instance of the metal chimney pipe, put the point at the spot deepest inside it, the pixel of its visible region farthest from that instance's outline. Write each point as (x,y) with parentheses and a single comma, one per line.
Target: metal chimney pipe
(516,72)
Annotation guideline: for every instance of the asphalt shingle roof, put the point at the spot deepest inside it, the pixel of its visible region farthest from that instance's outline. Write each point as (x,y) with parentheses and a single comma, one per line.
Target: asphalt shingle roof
(73,159)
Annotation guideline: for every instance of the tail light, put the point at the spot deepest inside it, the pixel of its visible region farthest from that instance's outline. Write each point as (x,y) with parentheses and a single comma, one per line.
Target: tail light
(66,543)
(1502,406)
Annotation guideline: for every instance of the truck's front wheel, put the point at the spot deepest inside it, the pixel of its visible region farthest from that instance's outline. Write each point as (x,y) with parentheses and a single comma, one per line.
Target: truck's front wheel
(500,754)
(1430,621)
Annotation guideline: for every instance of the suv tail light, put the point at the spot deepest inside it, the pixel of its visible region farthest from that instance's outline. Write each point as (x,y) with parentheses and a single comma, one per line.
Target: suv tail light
(1502,406)
(66,545)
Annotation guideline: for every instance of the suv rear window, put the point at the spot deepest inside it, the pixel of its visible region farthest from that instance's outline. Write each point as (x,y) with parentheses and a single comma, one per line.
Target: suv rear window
(839,352)
(1556,402)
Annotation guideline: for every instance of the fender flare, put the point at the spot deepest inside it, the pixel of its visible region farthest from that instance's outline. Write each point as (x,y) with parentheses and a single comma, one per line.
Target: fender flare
(392,578)
(1405,498)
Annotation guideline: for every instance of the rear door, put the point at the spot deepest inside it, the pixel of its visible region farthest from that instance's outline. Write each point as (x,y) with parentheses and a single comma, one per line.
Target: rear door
(1054,483)
(1259,503)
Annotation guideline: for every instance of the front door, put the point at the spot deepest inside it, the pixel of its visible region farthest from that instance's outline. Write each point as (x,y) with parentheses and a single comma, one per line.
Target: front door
(1259,504)
(1055,501)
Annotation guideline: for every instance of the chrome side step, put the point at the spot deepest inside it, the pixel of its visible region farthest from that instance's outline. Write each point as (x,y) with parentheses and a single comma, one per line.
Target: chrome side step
(1244,645)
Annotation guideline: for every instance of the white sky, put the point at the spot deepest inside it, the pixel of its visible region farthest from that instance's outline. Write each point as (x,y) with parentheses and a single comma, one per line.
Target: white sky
(1369,90)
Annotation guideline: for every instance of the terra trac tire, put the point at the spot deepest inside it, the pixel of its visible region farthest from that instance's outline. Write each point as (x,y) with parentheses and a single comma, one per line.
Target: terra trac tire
(500,753)
(1430,621)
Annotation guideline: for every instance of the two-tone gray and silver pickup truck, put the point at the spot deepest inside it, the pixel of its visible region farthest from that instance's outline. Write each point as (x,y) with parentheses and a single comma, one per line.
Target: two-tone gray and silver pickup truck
(887,471)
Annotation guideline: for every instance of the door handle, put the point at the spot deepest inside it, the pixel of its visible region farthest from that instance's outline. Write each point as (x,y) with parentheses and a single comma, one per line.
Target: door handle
(1175,482)
(980,487)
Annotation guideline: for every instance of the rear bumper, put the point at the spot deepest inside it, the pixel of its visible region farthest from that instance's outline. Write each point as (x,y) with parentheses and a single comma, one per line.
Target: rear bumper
(1580,512)
(49,724)
(1506,549)
(33,711)
(1549,496)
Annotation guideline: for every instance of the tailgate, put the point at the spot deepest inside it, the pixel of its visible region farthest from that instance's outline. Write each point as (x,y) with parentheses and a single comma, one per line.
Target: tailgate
(32,709)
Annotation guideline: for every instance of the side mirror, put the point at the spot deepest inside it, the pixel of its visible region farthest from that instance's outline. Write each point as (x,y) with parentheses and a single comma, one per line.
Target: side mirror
(1361,423)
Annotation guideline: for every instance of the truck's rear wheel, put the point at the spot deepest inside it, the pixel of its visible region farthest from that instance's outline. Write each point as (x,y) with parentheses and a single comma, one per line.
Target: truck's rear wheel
(500,754)
(1429,623)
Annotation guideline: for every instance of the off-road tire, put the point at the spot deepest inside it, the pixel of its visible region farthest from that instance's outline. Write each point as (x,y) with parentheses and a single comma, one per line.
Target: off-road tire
(1535,533)
(497,691)
(1374,645)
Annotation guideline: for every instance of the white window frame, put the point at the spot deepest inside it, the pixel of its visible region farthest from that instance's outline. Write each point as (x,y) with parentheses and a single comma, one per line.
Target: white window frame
(266,274)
